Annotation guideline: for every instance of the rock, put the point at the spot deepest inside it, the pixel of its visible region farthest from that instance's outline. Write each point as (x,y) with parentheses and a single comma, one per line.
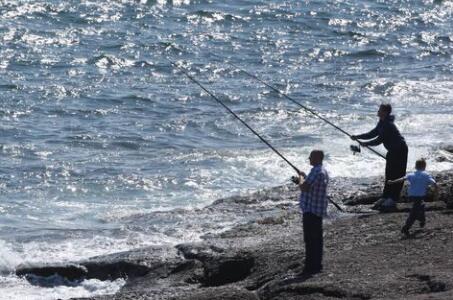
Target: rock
(362,198)
(225,293)
(220,266)
(129,264)
(445,153)
(69,271)
(223,270)
(271,220)
(365,255)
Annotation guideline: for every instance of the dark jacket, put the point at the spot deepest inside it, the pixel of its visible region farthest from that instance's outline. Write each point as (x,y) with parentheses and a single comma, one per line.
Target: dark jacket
(385,132)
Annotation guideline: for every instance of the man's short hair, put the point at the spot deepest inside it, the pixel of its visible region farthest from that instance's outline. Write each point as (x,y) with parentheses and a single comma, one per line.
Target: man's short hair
(420,164)
(387,107)
(318,153)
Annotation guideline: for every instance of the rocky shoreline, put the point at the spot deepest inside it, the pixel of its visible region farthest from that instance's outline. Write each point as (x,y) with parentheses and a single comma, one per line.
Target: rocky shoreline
(366,256)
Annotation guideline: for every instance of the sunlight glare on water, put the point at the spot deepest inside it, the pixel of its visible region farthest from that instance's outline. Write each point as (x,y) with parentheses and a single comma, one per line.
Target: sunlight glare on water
(96,127)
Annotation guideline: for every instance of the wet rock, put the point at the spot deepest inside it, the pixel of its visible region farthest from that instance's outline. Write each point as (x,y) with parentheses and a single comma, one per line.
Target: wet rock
(224,293)
(198,251)
(70,271)
(220,266)
(363,198)
(114,270)
(294,289)
(223,270)
(271,220)
(129,264)
(448,148)
(445,153)
(432,285)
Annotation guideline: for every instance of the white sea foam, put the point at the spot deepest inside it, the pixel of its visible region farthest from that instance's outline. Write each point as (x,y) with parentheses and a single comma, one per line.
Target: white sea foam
(79,249)
(16,288)
(67,195)
(8,258)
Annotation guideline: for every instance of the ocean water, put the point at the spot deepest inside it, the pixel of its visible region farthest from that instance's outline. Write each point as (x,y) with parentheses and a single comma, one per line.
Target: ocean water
(96,127)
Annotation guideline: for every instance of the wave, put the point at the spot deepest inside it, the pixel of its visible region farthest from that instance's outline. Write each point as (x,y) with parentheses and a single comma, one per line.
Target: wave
(8,259)
(107,143)
(99,112)
(205,16)
(105,61)
(9,87)
(369,53)
(38,288)
(137,98)
(380,88)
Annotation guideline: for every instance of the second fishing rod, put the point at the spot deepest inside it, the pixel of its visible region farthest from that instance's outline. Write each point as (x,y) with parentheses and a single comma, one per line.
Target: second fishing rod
(213,96)
(291,99)
(304,107)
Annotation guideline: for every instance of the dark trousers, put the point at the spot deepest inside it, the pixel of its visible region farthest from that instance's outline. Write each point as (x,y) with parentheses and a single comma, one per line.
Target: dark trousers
(417,212)
(313,241)
(395,167)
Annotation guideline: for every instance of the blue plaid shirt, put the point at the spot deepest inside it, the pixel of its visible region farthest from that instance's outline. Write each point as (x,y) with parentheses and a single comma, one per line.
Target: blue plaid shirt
(315,199)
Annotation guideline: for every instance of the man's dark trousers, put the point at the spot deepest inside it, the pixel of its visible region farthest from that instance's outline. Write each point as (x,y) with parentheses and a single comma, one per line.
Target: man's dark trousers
(313,242)
(395,168)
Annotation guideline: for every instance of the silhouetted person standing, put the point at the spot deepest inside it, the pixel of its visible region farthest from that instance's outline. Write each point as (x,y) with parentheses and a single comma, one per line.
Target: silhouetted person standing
(388,134)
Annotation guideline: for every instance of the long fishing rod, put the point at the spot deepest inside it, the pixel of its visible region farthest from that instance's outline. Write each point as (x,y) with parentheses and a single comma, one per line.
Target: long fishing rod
(242,121)
(233,113)
(313,112)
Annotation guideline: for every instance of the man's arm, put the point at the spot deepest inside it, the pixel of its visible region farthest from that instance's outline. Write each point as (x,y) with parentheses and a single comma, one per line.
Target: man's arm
(303,183)
(306,181)
(375,142)
(366,136)
(305,186)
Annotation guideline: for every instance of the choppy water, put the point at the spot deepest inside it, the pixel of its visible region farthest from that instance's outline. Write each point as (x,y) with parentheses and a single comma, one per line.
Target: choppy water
(96,127)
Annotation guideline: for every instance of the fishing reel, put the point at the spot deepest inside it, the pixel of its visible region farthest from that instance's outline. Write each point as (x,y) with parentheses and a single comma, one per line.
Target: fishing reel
(295,179)
(355,149)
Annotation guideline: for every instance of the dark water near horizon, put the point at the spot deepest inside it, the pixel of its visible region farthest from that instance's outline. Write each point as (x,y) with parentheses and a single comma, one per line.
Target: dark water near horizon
(96,126)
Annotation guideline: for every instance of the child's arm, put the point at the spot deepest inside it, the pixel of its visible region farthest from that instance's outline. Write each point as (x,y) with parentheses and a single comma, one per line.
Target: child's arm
(396,180)
(435,190)
(433,184)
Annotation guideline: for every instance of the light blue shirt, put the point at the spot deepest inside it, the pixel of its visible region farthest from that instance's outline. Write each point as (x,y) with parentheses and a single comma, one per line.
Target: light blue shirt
(418,183)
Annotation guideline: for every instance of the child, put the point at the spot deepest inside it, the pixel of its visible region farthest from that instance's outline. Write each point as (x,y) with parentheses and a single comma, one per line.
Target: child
(418,186)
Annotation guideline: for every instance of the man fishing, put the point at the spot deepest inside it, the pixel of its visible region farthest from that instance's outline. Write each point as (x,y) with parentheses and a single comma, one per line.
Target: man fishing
(313,203)
(388,134)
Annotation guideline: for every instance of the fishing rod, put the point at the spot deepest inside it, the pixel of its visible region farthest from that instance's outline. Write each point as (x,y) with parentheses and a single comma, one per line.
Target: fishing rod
(233,113)
(184,71)
(313,112)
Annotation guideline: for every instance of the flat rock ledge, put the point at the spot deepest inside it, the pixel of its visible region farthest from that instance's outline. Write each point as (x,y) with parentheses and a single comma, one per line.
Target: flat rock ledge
(366,256)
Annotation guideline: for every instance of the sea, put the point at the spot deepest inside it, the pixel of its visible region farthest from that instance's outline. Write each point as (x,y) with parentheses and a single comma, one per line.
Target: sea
(98,129)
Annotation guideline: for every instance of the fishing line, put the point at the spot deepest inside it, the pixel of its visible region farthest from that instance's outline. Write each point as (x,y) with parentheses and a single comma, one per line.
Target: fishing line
(184,71)
(306,108)
(313,112)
